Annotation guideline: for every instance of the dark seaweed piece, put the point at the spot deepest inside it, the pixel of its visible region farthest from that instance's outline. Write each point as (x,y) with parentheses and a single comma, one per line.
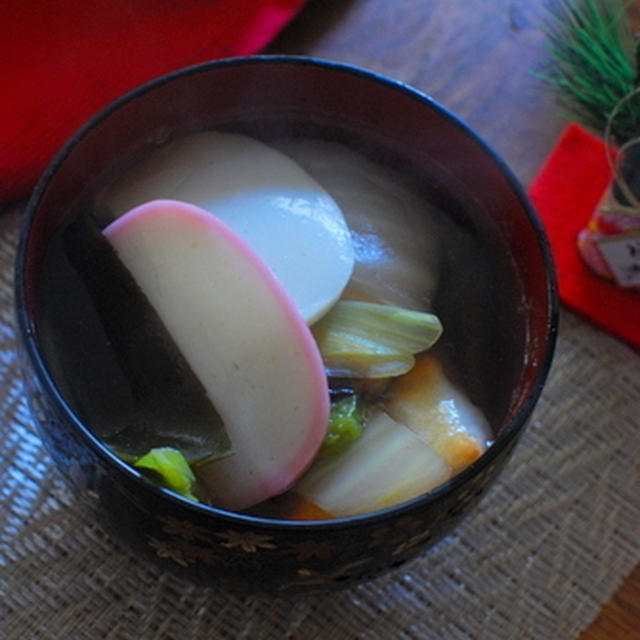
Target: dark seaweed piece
(112,357)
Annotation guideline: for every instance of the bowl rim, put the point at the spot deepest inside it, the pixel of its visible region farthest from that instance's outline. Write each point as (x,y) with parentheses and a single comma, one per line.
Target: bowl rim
(28,337)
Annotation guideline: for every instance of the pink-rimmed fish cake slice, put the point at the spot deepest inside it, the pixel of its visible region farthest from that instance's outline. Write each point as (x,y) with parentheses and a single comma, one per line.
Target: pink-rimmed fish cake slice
(242,336)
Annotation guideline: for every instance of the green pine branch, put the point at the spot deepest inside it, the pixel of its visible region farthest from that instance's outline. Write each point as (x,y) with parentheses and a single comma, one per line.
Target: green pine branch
(593,64)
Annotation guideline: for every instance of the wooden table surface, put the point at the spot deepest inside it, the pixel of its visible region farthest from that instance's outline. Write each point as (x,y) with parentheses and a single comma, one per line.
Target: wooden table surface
(478,58)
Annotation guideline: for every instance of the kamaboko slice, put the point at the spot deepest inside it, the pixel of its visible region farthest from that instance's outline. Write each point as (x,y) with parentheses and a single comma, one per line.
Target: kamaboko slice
(267,198)
(242,336)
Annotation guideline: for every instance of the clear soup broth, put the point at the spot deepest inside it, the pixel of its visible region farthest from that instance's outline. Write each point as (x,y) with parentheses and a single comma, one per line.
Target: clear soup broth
(415,248)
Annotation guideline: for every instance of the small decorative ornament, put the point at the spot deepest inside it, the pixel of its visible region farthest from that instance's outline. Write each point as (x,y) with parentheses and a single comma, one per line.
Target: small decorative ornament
(622,255)
(594,70)
(610,243)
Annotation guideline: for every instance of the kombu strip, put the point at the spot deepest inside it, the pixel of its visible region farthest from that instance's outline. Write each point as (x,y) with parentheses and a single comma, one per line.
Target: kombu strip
(113,358)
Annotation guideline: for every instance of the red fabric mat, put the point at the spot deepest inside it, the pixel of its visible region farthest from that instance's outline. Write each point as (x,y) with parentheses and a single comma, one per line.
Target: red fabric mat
(566,192)
(63,61)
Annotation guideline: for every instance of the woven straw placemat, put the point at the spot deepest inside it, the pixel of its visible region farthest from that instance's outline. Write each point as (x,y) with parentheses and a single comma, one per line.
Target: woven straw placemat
(546,548)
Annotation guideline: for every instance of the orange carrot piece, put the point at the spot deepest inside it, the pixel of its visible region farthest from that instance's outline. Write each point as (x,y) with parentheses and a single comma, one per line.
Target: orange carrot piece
(304,509)
(458,450)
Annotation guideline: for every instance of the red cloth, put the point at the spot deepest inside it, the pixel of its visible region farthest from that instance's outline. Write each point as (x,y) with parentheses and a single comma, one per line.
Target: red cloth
(566,192)
(63,61)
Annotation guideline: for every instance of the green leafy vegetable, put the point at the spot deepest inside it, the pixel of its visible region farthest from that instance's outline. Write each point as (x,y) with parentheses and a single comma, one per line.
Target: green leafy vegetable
(345,426)
(366,340)
(170,468)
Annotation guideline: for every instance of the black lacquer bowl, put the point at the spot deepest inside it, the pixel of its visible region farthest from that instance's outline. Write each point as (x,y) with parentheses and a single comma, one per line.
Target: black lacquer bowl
(502,328)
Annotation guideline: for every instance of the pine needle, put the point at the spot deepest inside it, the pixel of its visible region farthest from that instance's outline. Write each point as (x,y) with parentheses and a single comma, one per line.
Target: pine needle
(592,65)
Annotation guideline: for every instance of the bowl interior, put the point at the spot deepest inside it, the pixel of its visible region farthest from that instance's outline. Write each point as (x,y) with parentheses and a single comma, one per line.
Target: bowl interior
(497,303)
